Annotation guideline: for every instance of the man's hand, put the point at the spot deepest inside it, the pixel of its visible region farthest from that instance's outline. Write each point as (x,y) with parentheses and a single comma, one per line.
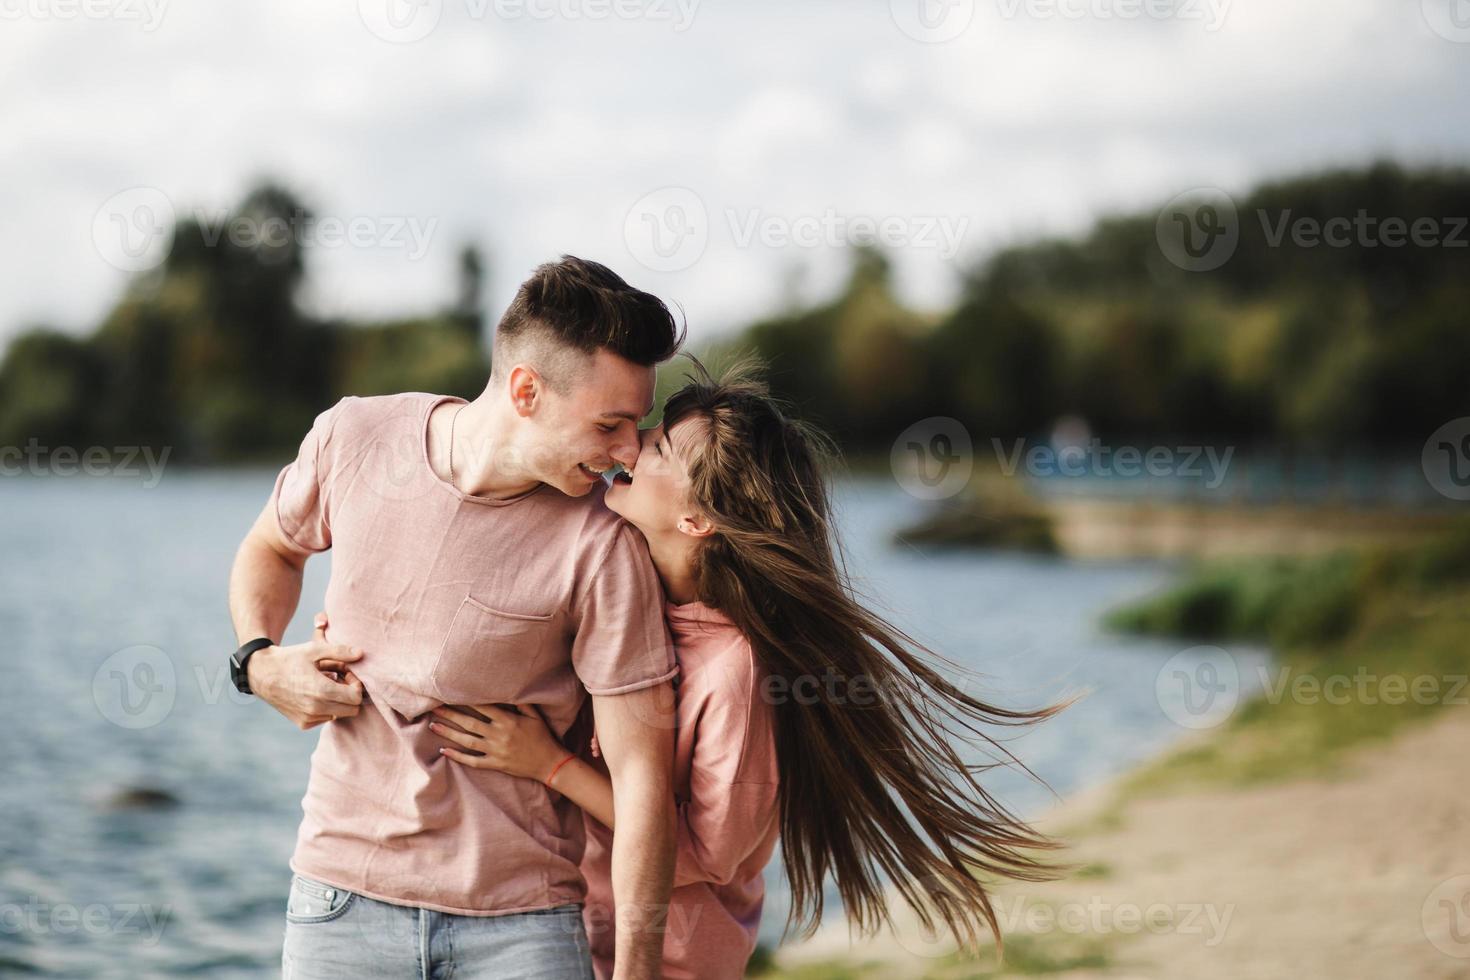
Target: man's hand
(302,683)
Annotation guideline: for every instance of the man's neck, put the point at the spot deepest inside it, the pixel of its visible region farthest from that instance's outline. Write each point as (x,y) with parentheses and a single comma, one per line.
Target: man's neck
(481,435)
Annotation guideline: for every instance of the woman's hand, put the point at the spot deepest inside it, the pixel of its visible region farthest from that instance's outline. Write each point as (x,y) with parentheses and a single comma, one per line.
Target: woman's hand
(517,744)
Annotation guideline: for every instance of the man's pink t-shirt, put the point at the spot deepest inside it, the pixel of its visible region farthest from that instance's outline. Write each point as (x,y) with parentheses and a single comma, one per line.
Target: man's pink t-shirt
(461,600)
(726,779)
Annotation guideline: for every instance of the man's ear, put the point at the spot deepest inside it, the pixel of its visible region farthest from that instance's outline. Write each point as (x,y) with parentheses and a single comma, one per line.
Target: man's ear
(696,526)
(524,388)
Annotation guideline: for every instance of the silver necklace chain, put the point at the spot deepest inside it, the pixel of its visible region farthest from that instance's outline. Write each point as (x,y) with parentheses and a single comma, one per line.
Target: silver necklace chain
(453,419)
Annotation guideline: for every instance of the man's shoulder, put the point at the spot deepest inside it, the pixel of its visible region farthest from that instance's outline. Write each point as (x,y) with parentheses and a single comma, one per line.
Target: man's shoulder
(396,419)
(600,526)
(370,410)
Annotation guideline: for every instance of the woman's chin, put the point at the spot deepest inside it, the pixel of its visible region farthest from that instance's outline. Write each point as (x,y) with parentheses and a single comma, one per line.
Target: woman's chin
(614,496)
(617,501)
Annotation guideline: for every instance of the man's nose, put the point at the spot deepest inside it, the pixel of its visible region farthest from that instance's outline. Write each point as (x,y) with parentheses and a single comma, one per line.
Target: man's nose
(625,452)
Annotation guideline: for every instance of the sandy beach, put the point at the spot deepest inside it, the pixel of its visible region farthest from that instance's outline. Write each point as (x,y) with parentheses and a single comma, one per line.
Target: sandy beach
(1361,873)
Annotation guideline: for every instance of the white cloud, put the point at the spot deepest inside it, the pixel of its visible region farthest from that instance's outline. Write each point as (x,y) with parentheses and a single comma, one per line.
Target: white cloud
(536,137)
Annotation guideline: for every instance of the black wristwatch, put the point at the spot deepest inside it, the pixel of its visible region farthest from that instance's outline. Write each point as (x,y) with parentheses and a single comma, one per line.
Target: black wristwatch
(241,657)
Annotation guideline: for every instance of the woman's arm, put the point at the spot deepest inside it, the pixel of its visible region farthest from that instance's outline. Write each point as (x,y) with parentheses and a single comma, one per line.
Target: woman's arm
(522,745)
(733,780)
(587,787)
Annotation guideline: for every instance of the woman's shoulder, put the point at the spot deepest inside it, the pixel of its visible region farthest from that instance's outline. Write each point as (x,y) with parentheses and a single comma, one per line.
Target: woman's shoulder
(716,659)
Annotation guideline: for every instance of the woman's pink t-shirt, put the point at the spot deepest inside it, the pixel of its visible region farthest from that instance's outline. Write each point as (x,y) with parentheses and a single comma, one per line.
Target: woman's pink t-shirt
(725,782)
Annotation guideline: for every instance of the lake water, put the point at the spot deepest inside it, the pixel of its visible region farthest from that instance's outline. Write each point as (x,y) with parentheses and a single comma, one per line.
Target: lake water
(113,639)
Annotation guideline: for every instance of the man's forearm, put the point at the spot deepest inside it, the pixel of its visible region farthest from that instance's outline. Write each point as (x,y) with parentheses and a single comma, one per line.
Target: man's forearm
(264,590)
(642,871)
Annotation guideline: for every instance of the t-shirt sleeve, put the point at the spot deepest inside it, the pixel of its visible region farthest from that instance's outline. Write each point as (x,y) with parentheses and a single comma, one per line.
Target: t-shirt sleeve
(622,643)
(301,495)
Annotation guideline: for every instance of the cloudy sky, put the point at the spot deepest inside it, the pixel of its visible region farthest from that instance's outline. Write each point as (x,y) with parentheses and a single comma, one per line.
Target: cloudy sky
(704,148)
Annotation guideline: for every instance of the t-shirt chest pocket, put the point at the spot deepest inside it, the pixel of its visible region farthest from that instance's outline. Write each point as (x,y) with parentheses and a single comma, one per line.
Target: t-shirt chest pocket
(493,656)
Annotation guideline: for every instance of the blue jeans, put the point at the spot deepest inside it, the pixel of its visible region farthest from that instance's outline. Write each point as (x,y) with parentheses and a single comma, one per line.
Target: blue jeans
(335,933)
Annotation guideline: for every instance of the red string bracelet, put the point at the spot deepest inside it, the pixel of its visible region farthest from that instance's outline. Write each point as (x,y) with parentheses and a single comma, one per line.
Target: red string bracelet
(557,768)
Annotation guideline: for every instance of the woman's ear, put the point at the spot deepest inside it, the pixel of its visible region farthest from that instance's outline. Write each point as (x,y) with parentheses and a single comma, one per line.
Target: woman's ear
(695,525)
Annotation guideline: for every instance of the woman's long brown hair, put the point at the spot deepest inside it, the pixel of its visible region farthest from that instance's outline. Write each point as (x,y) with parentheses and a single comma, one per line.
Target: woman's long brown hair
(870,786)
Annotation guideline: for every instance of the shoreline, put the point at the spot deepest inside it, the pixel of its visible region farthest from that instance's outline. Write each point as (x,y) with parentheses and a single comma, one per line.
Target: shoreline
(1316,875)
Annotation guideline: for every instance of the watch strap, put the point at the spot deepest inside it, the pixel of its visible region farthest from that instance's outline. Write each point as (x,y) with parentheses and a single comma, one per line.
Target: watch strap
(241,658)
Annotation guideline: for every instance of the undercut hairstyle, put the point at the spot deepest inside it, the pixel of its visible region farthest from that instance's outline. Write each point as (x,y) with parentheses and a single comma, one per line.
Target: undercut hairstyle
(570,309)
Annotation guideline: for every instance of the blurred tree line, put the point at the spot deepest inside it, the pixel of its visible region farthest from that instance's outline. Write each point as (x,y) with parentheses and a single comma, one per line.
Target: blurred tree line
(1364,346)
(210,353)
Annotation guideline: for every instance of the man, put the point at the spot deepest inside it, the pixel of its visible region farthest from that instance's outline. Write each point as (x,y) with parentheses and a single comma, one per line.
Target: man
(473,562)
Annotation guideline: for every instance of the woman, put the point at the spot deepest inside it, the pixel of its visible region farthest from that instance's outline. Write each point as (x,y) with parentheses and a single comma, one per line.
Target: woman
(800,713)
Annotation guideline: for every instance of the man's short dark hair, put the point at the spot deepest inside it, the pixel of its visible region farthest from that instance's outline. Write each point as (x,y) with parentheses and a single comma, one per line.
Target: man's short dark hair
(586,306)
